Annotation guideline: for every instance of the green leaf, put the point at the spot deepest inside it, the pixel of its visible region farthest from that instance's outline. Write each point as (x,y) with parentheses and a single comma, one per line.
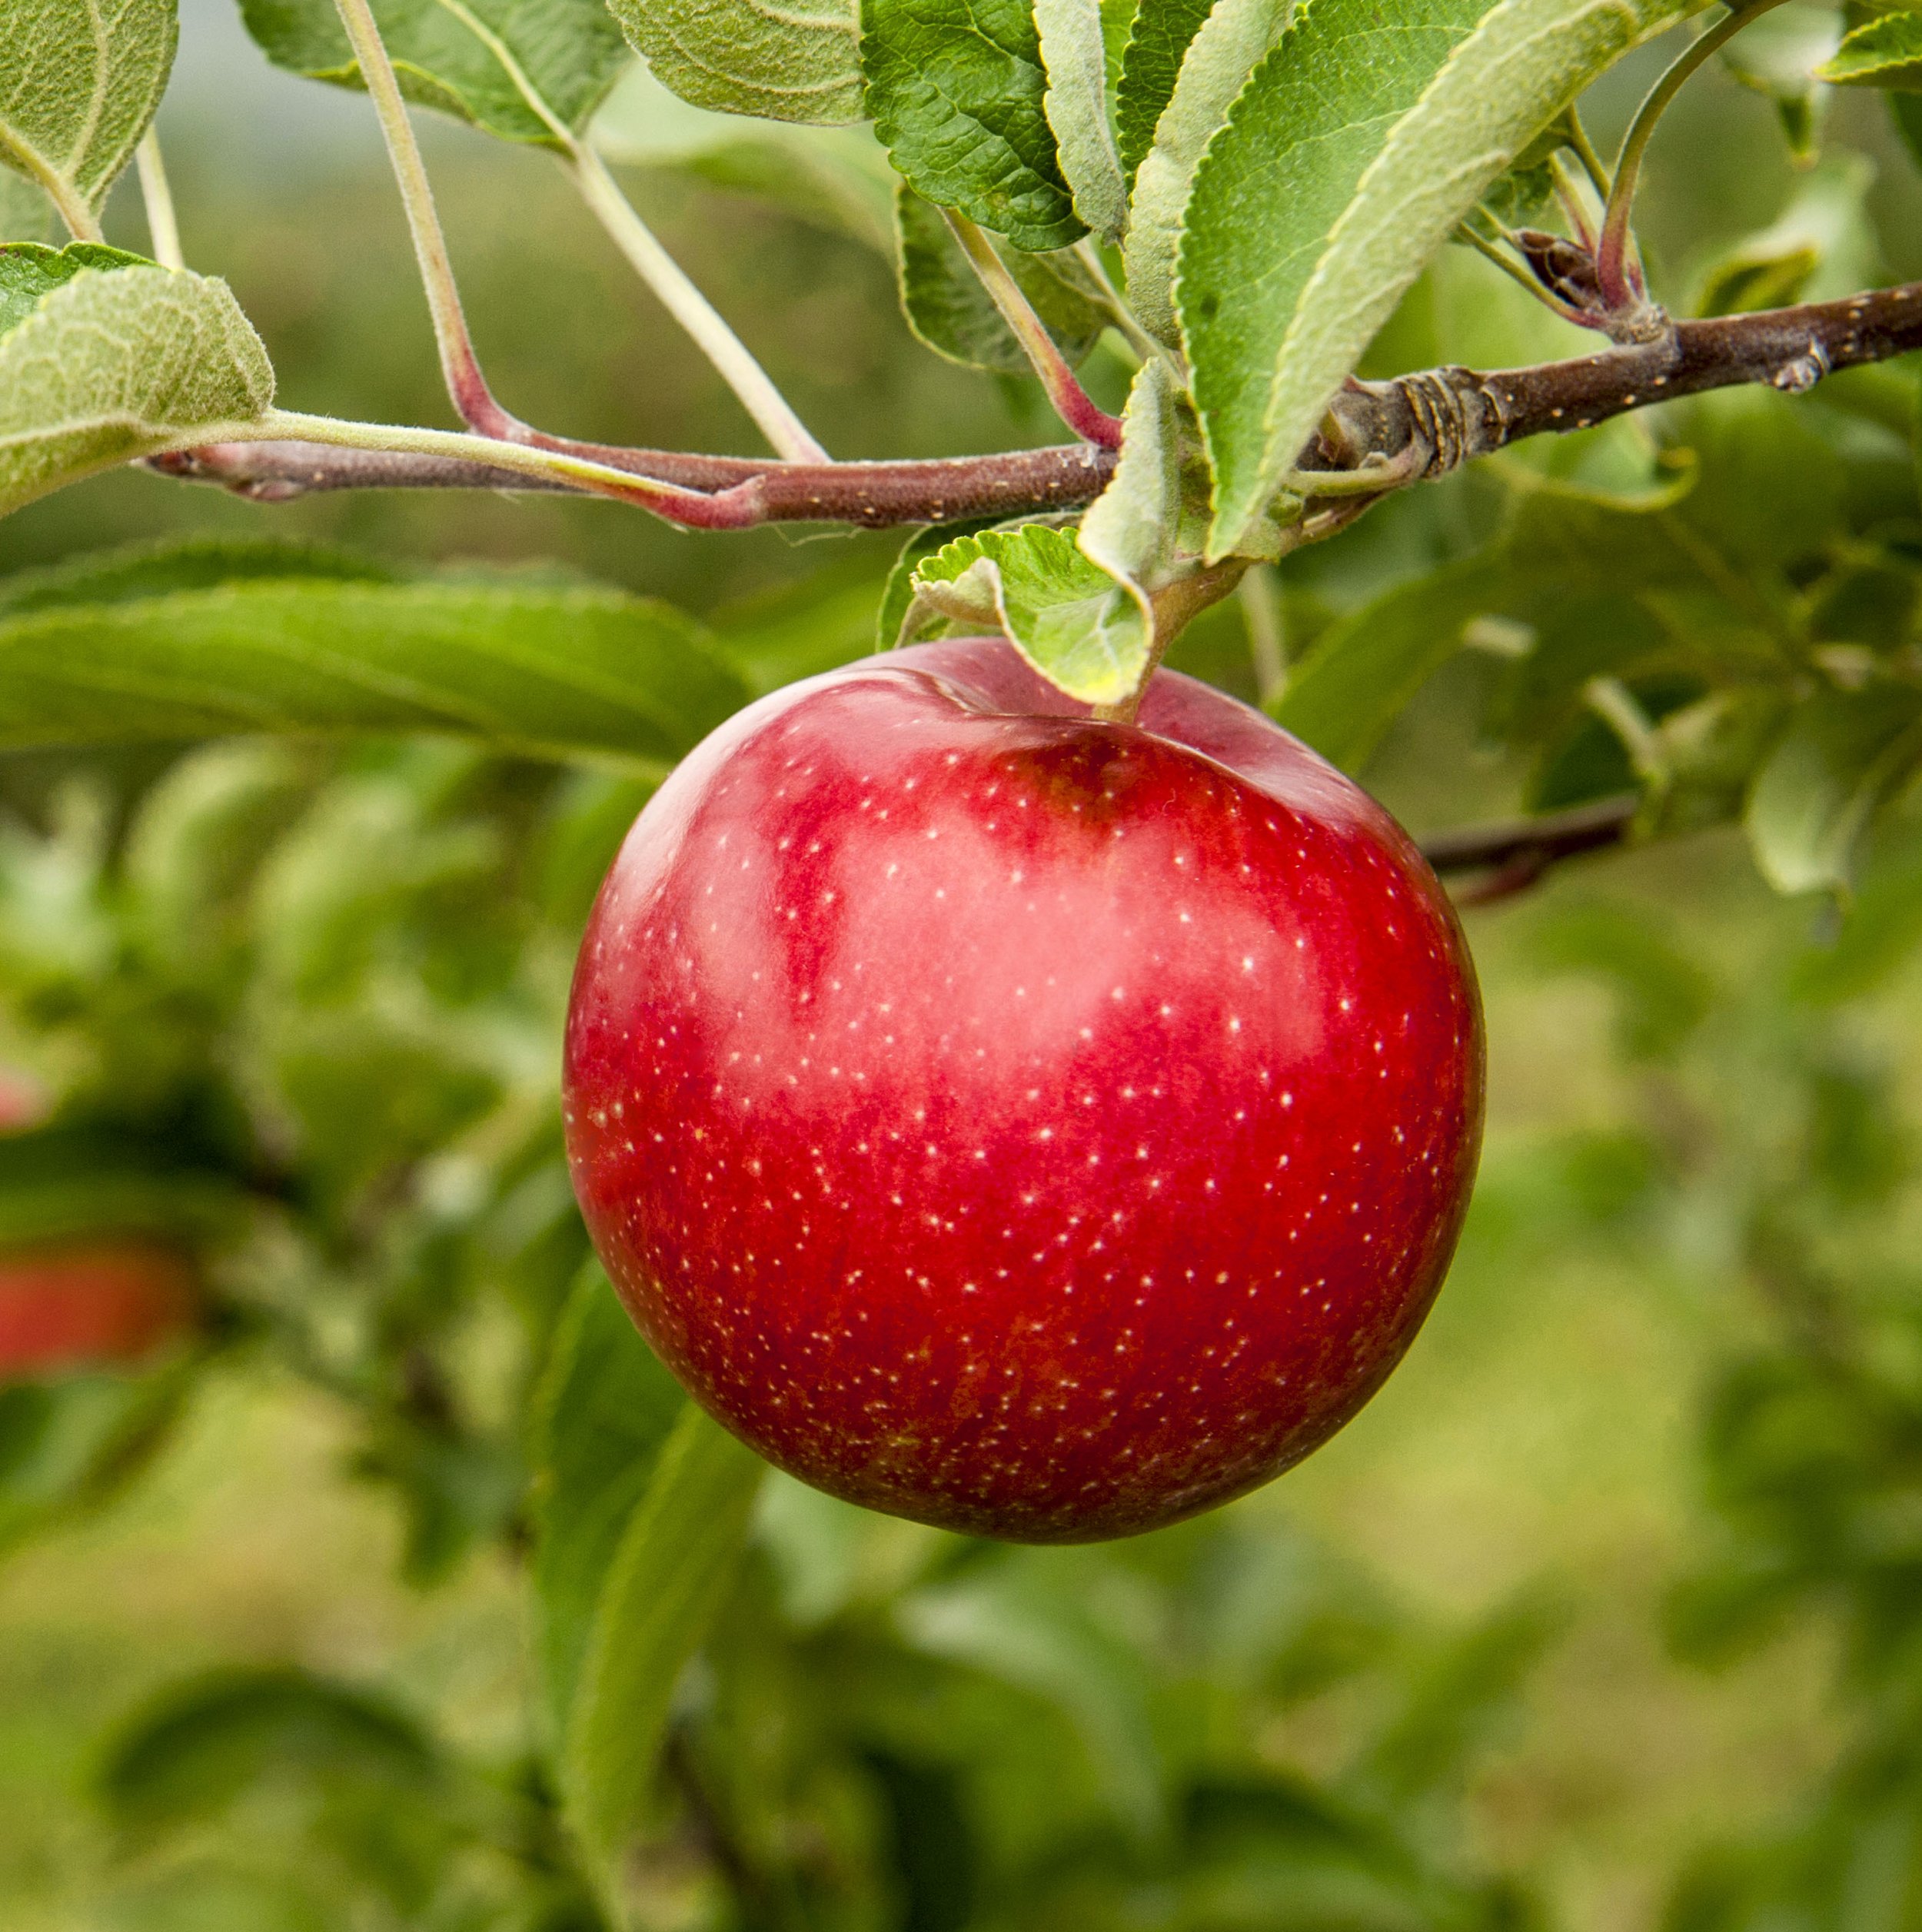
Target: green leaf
(666,1582)
(29,270)
(836,178)
(71,1178)
(1360,144)
(957,92)
(898,594)
(1232,42)
(79,82)
(115,363)
(1357,680)
(800,60)
(1882,53)
(551,672)
(1076,104)
(1079,629)
(1130,530)
(948,310)
(180,564)
(604,1408)
(199,1745)
(1843,754)
(466,58)
(1157,41)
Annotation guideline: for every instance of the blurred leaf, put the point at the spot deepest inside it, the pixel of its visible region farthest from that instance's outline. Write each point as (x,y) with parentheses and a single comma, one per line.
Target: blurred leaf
(956,94)
(1221,55)
(1456,1701)
(800,62)
(1777,56)
(948,309)
(591,815)
(461,60)
(1822,245)
(1908,116)
(1157,42)
(71,1444)
(199,1745)
(665,1581)
(549,671)
(199,838)
(596,1426)
(1344,136)
(180,564)
(836,178)
(1886,51)
(1362,671)
(78,1177)
(1880,932)
(78,84)
(1664,995)
(1076,104)
(1013,1621)
(1078,627)
(121,363)
(1842,754)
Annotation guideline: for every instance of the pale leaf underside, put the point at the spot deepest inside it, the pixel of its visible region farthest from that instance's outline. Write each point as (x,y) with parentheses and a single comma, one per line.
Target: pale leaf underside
(799,60)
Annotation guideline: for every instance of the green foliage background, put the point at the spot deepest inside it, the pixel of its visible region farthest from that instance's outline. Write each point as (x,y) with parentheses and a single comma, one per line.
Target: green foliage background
(1605,1613)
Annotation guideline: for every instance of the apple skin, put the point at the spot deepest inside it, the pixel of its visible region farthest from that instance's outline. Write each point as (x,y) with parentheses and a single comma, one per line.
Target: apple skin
(77,1305)
(1044,1128)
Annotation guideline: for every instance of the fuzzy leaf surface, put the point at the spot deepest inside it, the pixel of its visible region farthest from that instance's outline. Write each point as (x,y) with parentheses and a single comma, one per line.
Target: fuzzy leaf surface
(1076,103)
(948,310)
(1231,42)
(1129,530)
(449,55)
(665,1581)
(25,213)
(800,60)
(79,81)
(548,671)
(113,364)
(1360,143)
(1882,53)
(958,93)
(1079,628)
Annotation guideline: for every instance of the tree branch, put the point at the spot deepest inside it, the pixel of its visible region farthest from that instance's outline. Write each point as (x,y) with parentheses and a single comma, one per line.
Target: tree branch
(1423,425)
(1515,853)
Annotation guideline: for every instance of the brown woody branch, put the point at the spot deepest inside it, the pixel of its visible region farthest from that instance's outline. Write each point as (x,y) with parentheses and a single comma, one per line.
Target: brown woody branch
(1424,424)
(1513,854)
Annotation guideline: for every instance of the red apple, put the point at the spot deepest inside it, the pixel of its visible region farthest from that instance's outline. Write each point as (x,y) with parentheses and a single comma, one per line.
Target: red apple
(98,1304)
(1038,1126)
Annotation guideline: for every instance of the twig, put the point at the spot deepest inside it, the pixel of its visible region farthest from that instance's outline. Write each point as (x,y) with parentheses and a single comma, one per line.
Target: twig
(1447,416)
(1072,403)
(786,434)
(776,420)
(460,367)
(1613,267)
(1515,853)
(163,225)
